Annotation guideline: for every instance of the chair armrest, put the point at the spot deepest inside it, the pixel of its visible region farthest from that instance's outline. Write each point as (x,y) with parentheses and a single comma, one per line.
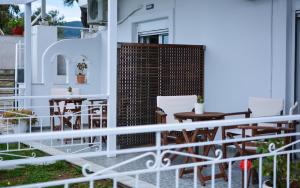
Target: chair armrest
(265,128)
(246,113)
(160,116)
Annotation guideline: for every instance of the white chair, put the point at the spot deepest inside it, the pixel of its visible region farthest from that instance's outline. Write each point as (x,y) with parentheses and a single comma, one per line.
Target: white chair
(258,107)
(167,106)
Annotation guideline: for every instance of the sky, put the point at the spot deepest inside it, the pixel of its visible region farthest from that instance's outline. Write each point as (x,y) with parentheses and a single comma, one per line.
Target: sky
(70,13)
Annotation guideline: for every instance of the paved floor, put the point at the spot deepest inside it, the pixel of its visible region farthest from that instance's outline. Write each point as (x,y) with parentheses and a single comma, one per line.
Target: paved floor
(167,179)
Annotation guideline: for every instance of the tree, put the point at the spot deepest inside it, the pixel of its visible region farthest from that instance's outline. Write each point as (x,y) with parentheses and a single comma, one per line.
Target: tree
(52,17)
(70,3)
(8,12)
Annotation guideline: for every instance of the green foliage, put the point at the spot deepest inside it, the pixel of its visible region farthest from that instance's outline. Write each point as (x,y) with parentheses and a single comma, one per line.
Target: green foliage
(7,13)
(281,163)
(24,115)
(16,22)
(200,99)
(28,174)
(81,67)
(52,17)
(24,152)
(70,89)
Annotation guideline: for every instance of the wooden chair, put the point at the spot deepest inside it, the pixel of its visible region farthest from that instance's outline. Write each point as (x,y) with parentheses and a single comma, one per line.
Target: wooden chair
(97,115)
(57,109)
(167,106)
(258,107)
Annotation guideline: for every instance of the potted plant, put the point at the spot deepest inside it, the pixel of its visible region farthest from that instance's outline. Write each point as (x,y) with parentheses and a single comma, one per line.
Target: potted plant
(281,170)
(17,26)
(81,67)
(70,90)
(19,120)
(199,106)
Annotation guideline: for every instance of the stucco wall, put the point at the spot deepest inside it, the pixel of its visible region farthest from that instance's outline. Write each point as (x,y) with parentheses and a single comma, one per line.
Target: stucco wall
(245,39)
(8,51)
(94,49)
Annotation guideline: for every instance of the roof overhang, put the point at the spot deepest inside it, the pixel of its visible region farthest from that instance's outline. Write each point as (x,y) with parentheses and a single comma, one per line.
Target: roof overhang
(16,1)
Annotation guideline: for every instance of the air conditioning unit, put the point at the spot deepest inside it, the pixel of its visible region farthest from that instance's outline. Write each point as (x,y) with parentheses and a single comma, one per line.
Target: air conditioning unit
(97,12)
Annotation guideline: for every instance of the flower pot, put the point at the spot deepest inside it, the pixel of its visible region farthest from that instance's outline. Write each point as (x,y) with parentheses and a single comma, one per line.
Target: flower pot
(22,127)
(199,108)
(17,30)
(80,79)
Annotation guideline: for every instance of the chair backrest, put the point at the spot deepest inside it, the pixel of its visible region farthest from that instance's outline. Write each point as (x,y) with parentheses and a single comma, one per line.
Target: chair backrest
(63,91)
(175,104)
(262,107)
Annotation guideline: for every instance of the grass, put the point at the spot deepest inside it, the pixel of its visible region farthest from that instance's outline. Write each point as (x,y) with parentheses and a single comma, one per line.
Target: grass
(29,174)
(14,146)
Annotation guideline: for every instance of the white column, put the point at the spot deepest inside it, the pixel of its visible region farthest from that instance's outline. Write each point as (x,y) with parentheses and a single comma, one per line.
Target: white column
(112,72)
(27,52)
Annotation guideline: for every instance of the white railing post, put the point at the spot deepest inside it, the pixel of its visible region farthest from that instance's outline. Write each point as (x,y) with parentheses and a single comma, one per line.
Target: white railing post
(27,49)
(112,73)
(158,153)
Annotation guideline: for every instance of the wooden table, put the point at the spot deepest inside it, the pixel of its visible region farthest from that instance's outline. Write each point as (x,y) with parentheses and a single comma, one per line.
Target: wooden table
(208,135)
(65,119)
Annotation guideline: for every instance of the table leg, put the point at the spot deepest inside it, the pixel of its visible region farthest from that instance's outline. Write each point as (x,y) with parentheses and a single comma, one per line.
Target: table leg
(211,134)
(191,151)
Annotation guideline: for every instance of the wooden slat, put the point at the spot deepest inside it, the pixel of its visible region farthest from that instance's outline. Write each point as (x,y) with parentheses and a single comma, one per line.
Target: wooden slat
(147,71)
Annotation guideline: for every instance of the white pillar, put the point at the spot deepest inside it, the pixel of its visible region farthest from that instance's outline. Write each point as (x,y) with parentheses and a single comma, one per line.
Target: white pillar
(27,51)
(112,72)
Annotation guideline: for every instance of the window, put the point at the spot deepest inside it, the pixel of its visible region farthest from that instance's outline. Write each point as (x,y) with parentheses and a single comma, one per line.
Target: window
(153,32)
(61,66)
(162,38)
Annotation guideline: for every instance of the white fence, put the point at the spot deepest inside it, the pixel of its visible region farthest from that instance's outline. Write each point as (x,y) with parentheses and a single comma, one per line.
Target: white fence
(156,159)
(63,113)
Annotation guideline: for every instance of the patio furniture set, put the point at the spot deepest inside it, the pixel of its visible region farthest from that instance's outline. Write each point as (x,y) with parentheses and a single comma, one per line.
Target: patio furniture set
(177,109)
(68,109)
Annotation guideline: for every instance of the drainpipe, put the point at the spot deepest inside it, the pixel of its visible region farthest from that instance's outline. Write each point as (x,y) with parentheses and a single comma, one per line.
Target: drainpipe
(112,27)
(27,54)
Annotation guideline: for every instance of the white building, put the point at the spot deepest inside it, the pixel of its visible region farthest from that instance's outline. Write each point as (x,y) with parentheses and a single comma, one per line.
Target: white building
(251,47)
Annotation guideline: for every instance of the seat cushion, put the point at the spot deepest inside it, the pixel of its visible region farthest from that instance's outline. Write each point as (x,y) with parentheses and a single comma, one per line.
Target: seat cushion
(175,104)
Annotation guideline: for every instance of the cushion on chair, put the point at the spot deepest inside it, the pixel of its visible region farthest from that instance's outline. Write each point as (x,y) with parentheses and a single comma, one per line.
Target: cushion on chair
(262,107)
(175,104)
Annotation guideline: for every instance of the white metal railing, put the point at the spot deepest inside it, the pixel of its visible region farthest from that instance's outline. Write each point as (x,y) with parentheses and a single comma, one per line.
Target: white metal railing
(155,158)
(44,117)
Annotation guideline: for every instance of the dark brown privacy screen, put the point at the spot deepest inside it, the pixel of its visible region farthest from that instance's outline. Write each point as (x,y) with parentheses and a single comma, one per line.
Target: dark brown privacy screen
(147,71)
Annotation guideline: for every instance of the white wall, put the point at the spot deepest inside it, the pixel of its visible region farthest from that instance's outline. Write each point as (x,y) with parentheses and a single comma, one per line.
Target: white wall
(245,39)
(95,51)
(8,51)
(42,38)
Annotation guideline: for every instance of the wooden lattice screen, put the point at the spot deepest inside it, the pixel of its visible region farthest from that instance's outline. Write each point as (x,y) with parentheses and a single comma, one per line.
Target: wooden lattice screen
(147,71)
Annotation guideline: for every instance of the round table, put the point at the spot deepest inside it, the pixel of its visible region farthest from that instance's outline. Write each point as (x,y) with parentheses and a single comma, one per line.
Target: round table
(209,135)
(199,117)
